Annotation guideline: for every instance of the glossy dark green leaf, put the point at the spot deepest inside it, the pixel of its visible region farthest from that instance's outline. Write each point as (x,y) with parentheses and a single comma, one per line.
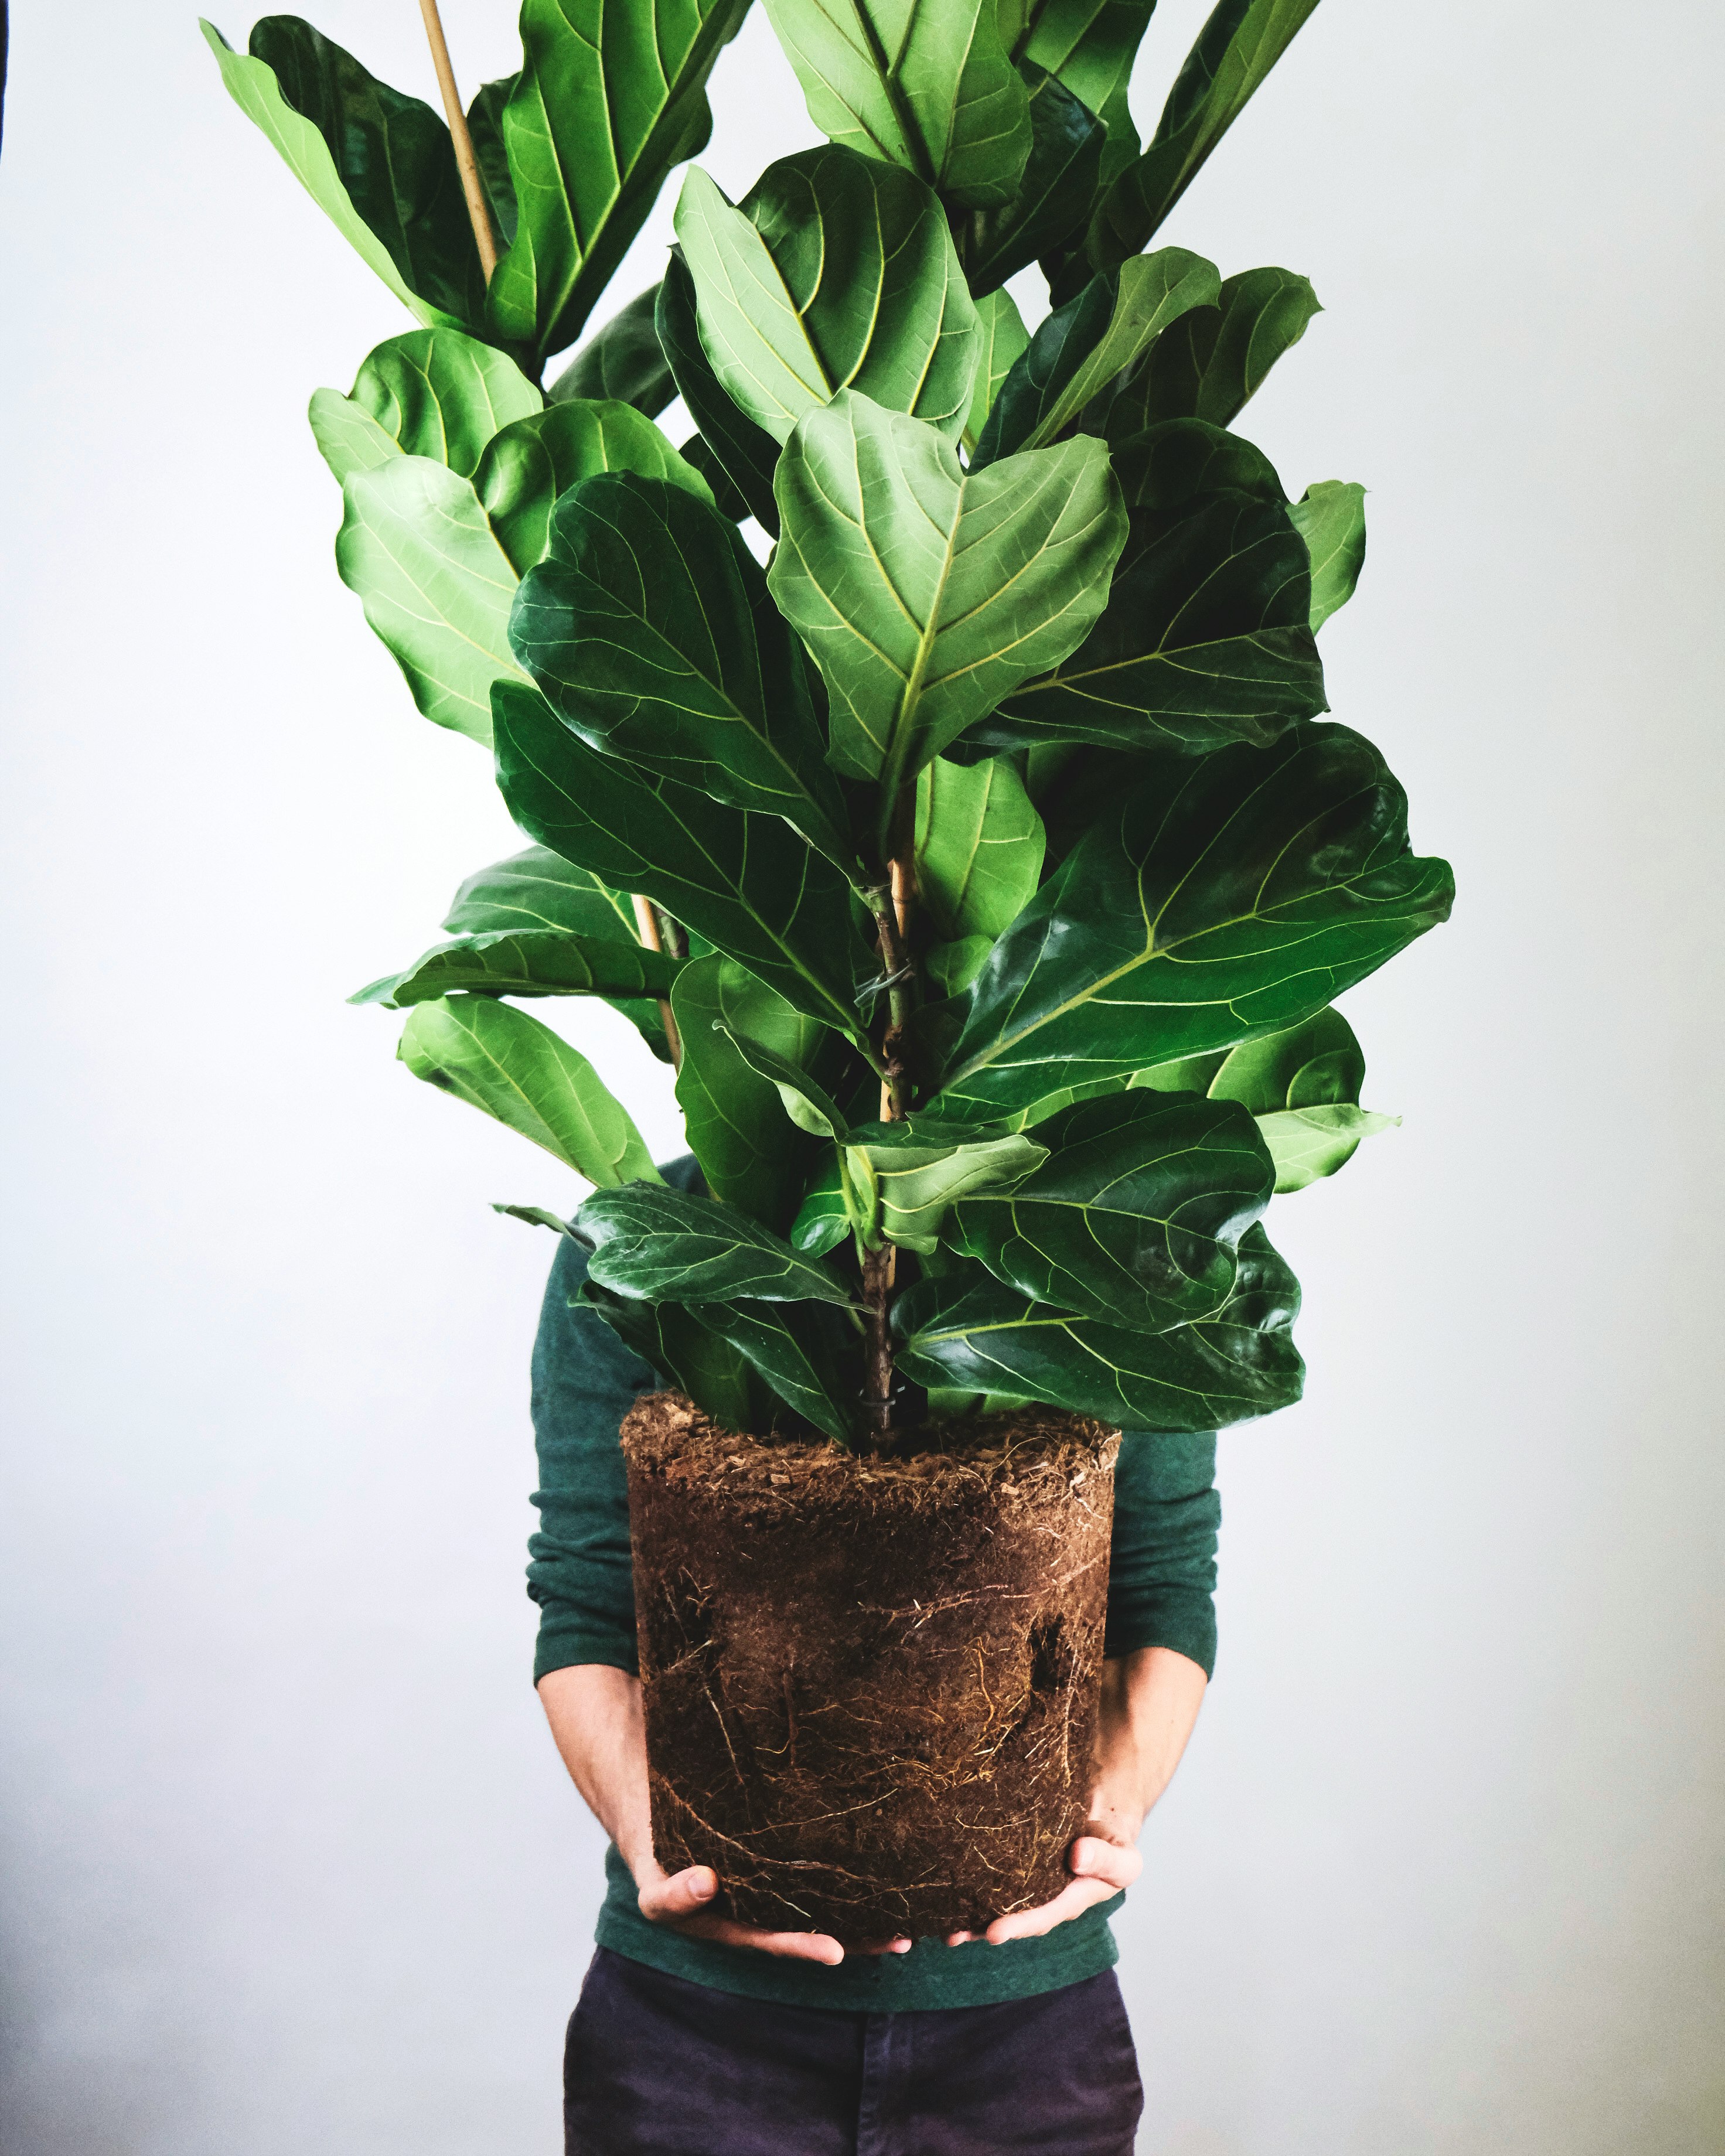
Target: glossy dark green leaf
(1083,344)
(485,124)
(436,394)
(1054,194)
(665,1245)
(798,1349)
(746,454)
(649,630)
(1331,518)
(497,1058)
(528,465)
(925,84)
(684,1350)
(530,962)
(378,164)
(750,1154)
(744,881)
(1229,896)
(824,1220)
(539,890)
(623,361)
(906,1174)
(1212,362)
(417,550)
(1090,45)
(833,273)
(807,1104)
(1134,1216)
(1236,49)
(978,856)
(1206,636)
(973,1332)
(926,594)
(1004,337)
(609,100)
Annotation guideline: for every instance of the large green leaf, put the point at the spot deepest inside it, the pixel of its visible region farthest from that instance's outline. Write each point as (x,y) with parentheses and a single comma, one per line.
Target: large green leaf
(1331,518)
(497,1058)
(926,84)
(750,1154)
(434,394)
(747,454)
(416,547)
(608,101)
(1004,336)
(624,360)
(1303,1085)
(1090,45)
(1054,194)
(540,961)
(1083,344)
(1206,638)
(974,1333)
(684,1349)
(1236,49)
(665,1245)
(926,594)
(1213,361)
(649,630)
(907,1174)
(803,1097)
(528,465)
(979,845)
(792,1345)
(834,272)
(1135,1216)
(539,890)
(379,165)
(1230,894)
(744,881)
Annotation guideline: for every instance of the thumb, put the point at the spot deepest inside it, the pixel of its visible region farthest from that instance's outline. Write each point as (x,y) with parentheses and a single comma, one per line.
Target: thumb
(666,1900)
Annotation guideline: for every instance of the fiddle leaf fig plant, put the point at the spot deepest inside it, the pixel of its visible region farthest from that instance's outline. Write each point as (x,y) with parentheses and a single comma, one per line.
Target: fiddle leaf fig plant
(927,753)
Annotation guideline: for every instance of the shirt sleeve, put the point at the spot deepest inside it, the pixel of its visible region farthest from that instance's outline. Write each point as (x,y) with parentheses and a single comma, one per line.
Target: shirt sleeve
(1162,1574)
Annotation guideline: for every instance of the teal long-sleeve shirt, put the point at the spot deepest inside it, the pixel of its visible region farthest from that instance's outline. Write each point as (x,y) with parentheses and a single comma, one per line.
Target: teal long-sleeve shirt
(1161,1584)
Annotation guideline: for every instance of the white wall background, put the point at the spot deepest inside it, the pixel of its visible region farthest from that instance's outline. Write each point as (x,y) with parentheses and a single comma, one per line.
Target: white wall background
(289,1864)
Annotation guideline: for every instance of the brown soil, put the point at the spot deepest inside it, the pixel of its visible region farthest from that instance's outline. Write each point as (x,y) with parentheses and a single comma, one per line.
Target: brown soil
(870,1683)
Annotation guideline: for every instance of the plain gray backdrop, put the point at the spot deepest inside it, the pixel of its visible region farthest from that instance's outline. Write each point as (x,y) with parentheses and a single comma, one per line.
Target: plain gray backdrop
(289,1862)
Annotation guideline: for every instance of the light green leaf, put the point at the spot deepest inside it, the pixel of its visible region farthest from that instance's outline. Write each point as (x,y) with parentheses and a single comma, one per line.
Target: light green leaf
(911,1171)
(1308,1143)
(650,633)
(972,1332)
(744,453)
(808,1107)
(834,273)
(1236,49)
(608,101)
(926,84)
(737,878)
(499,1059)
(409,237)
(925,595)
(437,393)
(1331,518)
(1004,336)
(1083,344)
(624,360)
(416,547)
(1313,1065)
(348,438)
(979,844)
(825,1217)
(527,466)
(531,963)
(1211,363)
(664,1246)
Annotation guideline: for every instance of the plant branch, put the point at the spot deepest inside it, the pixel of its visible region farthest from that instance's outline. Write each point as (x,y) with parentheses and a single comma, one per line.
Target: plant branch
(647,928)
(472,187)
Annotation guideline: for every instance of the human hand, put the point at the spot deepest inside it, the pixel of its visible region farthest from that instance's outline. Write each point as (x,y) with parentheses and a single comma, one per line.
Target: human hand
(681,1901)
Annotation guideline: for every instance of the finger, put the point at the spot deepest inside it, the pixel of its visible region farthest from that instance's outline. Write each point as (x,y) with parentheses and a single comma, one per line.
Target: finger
(884,1946)
(959,1938)
(669,1899)
(1031,1924)
(1090,1857)
(786,1946)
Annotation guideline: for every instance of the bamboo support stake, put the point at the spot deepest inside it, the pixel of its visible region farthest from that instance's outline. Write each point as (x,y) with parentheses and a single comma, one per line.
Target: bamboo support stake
(647,927)
(478,209)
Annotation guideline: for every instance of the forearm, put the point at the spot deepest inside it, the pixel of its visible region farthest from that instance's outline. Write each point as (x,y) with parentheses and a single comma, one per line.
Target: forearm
(595,1716)
(1150,1704)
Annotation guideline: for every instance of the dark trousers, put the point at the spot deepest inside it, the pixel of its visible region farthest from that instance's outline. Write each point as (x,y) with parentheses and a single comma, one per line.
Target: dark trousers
(657,2066)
